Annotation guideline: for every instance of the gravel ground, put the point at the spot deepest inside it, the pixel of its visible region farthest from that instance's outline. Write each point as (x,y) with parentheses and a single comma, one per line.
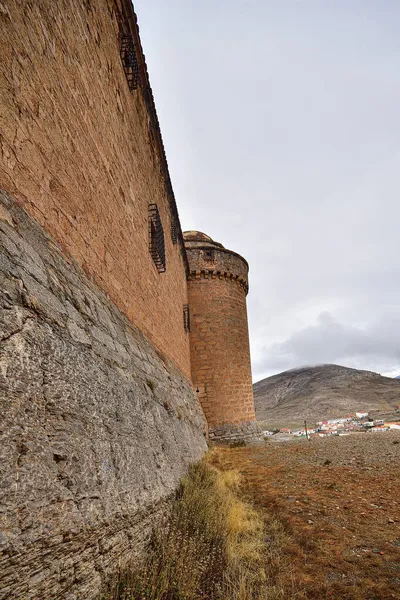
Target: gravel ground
(361,450)
(340,499)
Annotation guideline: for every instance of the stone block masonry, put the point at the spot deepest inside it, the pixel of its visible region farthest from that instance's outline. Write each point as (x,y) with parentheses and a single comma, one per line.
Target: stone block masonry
(220,350)
(97,426)
(79,152)
(99,419)
(219,338)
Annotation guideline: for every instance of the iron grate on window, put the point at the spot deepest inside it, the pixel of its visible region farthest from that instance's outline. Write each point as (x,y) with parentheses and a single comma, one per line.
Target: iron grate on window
(129,61)
(127,49)
(186,317)
(156,239)
(209,255)
(174,230)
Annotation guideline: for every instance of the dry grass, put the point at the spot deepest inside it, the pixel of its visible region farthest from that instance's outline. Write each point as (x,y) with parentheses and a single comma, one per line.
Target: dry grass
(301,521)
(215,547)
(297,521)
(333,509)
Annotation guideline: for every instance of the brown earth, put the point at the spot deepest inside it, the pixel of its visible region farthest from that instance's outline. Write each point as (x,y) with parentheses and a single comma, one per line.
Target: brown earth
(336,504)
(322,392)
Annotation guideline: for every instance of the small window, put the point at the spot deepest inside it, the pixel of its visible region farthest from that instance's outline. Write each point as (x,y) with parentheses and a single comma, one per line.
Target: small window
(129,61)
(186,317)
(209,254)
(156,239)
(127,50)
(174,230)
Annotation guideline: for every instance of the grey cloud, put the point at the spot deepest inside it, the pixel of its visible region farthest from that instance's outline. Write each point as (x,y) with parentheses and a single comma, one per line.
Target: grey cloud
(280,121)
(329,341)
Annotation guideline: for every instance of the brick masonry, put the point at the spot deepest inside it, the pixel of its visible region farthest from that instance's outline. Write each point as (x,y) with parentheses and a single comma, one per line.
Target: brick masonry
(219,338)
(99,416)
(96,429)
(78,151)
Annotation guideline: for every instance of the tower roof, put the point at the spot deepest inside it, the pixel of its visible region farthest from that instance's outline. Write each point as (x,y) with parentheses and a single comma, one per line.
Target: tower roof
(198,238)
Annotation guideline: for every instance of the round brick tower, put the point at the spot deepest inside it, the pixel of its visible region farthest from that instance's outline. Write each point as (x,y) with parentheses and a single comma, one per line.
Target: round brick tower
(219,336)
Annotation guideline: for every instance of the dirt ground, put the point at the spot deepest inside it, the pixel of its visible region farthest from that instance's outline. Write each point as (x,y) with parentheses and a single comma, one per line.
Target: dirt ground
(338,502)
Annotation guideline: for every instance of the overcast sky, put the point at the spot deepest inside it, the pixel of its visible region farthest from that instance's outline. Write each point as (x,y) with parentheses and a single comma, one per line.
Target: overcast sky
(281,125)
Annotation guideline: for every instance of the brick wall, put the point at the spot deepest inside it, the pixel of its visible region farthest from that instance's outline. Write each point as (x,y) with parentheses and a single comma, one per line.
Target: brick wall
(79,154)
(220,353)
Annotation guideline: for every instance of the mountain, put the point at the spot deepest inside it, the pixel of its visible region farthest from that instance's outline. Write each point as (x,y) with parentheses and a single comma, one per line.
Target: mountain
(322,392)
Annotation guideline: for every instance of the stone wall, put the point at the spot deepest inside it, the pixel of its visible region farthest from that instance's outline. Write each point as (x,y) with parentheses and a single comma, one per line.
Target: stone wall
(218,262)
(79,152)
(220,350)
(97,427)
(219,336)
(249,431)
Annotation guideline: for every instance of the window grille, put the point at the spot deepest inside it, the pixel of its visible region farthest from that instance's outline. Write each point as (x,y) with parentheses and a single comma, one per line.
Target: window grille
(129,61)
(156,239)
(127,51)
(209,254)
(174,230)
(186,317)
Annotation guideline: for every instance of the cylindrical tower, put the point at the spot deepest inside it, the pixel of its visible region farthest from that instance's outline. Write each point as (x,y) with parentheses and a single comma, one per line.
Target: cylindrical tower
(219,337)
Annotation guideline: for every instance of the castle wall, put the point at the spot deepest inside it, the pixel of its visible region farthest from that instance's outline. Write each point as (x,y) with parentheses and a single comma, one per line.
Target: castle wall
(79,152)
(96,426)
(219,261)
(220,352)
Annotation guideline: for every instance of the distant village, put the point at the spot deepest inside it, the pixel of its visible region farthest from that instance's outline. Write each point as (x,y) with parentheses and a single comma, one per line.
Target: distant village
(360,422)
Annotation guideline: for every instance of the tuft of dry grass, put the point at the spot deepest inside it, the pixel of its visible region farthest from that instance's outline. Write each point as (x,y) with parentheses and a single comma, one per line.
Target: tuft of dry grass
(215,546)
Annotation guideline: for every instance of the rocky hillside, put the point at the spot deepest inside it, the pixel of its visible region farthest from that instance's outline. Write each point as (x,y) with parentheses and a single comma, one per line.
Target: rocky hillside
(322,392)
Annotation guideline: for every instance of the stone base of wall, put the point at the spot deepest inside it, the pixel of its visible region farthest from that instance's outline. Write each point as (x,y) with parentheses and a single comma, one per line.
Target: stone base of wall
(230,433)
(97,427)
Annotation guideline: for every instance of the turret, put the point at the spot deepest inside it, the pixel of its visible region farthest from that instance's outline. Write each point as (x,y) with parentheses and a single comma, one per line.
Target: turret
(219,337)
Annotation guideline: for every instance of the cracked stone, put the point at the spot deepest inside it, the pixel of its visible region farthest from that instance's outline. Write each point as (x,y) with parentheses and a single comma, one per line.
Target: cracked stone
(77,333)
